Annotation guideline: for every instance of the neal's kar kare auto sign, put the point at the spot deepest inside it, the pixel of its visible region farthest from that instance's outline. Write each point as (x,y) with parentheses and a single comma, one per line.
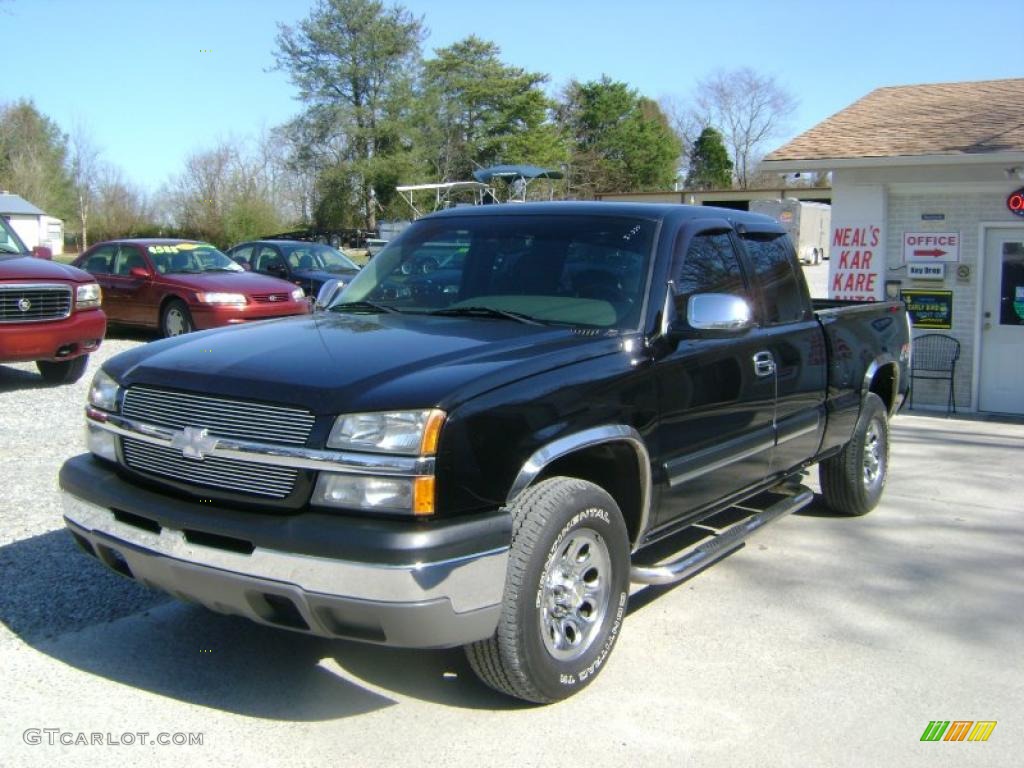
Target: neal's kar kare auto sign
(855,269)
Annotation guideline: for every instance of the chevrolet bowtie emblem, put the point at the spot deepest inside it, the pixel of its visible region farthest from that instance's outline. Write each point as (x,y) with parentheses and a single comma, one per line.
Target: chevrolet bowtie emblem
(194,443)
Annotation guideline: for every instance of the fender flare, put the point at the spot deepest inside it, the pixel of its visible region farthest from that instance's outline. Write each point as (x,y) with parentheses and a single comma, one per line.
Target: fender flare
(588,438)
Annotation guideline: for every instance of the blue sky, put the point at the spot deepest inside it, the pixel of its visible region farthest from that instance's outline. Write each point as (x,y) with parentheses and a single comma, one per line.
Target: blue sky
(135,73)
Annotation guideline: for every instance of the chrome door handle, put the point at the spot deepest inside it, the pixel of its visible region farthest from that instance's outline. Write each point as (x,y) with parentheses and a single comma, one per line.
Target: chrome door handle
(764,364)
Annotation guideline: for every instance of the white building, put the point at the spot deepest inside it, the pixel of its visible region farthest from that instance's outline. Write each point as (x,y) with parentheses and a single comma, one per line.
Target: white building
(928,204)
(32,225)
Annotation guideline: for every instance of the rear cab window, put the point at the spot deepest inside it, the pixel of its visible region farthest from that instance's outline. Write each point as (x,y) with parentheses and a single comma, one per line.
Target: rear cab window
(781,289)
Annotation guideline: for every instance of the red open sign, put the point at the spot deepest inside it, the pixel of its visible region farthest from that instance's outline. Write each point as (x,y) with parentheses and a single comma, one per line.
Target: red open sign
(1015,202)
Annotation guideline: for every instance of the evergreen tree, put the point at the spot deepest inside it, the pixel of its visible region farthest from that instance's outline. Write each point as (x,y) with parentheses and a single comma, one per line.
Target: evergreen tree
(710,166)
(621,141)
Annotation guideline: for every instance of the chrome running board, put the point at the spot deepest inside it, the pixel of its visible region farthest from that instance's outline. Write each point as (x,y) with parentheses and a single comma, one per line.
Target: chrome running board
(690,561)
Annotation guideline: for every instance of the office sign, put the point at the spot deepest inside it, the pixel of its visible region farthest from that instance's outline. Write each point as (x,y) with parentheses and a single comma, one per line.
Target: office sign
(931,247)
(930,309)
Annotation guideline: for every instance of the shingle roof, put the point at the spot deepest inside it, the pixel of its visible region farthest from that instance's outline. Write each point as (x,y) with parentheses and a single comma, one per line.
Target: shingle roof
(936,119)
(15,204)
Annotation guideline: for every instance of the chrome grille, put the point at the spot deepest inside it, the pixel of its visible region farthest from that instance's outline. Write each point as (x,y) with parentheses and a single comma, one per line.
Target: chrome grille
(264,298)
(238,419)
(212,472)
(33,303)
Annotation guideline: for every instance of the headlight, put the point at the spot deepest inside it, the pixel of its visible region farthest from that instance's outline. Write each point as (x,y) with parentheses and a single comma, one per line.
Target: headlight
(103,391)
(221,298)
(88,296)
(298,294)
(402,495)
(402,432)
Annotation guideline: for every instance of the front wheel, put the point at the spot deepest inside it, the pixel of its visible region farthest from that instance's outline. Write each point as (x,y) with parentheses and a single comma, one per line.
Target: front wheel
(176,319)
(852,481)
(62,371)
(565,593)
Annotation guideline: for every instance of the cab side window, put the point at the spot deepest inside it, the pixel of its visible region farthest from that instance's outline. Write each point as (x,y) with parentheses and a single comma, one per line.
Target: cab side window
(709,266)
(772,259)
(101,260)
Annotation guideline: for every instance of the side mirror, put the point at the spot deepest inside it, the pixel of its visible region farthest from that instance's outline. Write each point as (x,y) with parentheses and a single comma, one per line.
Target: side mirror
(42,252)
(246,265)
(718,312)
(711,315)
(328,292)
(140,272)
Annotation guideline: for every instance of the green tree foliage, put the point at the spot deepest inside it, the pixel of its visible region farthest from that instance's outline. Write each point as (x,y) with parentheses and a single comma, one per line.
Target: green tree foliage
(354,63)
(478,111)
(33,157)
(620,140)
(710,166)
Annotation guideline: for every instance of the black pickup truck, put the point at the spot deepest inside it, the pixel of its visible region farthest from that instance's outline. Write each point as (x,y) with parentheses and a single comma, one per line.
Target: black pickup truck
(594,394)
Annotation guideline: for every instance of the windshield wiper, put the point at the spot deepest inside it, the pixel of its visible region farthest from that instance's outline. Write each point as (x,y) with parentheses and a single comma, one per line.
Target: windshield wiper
(487,312)
(362,306)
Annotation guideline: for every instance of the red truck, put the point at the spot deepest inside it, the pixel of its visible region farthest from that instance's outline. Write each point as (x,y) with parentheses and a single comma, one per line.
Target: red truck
(49,312)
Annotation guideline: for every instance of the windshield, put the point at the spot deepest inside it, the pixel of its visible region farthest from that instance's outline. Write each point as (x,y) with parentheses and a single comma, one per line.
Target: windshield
(9,240)
(176,258)
(574,270)
(317,256)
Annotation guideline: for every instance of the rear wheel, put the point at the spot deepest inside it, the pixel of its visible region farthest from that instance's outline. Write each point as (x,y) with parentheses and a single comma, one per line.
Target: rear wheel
(62,371)
(852,481)
(565,593)
(176,319)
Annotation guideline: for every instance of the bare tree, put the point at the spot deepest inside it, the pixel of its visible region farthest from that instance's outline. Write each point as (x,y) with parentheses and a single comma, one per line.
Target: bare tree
(231,192)
(118,207)
(84,164)
(749,109)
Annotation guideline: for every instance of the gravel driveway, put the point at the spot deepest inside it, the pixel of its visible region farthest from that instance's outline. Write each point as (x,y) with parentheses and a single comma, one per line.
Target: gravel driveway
(826,641)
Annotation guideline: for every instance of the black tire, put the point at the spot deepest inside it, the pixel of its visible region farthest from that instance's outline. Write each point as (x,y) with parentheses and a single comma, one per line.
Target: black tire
(175,319)
(63,371)
(847,481)
(551,519)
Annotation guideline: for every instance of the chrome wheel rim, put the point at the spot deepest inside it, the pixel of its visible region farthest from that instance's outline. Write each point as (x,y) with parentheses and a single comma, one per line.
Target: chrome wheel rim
(575,593)
(176,324)
(874,459)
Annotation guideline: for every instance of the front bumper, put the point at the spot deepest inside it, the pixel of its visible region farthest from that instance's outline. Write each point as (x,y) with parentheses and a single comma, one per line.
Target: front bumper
(435,602)
(206,316)
(64,339)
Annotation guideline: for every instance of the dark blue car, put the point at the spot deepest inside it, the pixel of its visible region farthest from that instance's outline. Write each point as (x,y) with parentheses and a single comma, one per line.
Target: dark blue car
(303,263)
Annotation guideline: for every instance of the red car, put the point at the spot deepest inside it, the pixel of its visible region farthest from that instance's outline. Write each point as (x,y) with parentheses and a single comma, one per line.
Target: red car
(179,286)
(49,313)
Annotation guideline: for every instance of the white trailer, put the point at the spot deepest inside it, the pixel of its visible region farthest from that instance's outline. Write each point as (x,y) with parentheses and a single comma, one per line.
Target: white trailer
(808,225)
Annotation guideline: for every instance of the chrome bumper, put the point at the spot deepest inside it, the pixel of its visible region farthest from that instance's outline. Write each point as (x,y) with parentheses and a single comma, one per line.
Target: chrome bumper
(435,604)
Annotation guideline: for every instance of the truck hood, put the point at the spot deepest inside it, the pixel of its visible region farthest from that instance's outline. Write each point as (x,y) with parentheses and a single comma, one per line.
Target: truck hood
(229,282)
(30,268)
(334,363)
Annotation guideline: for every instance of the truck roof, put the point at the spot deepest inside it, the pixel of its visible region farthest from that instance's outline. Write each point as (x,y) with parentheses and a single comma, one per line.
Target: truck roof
(675,211)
